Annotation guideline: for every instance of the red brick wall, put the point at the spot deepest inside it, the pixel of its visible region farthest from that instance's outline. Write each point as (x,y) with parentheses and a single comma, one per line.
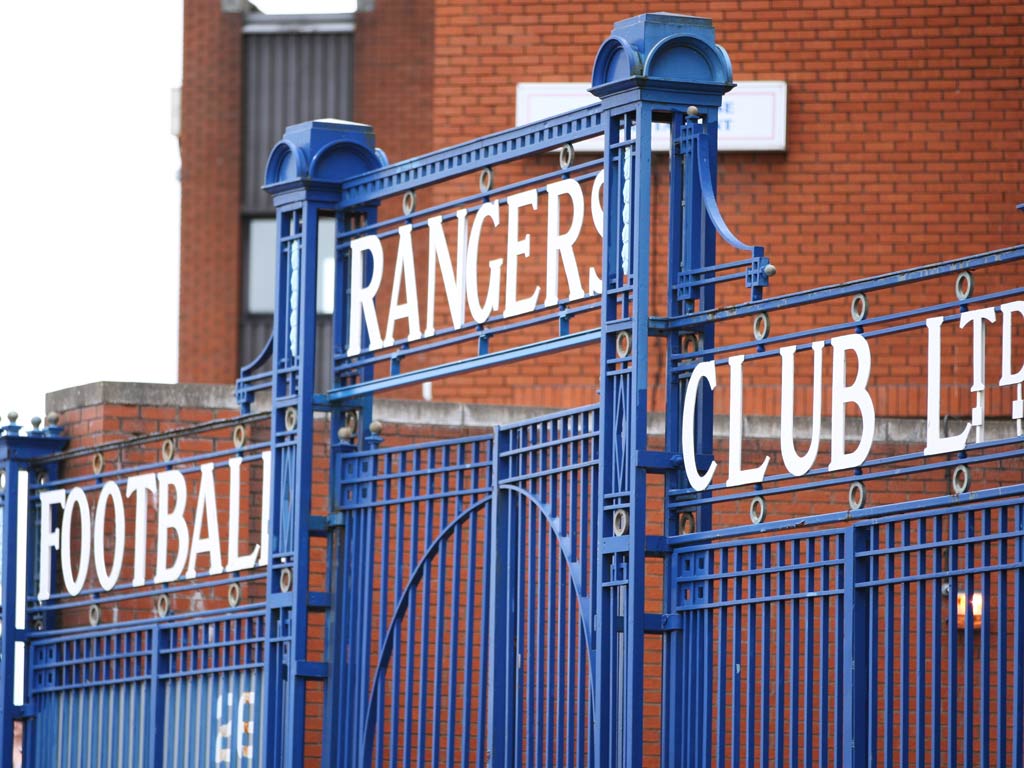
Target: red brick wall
(905,142)
(394,83)
(211,104)
(906,127)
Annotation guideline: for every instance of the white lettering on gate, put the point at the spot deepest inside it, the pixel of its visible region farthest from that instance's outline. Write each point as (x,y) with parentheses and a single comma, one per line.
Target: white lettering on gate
(244,729)
(737,475)
(842,394)
(795,464)
(852,348)
(191,538)
(168,520)
(855,394)
(976,319)
(461,279)
(110,494)
(704,371)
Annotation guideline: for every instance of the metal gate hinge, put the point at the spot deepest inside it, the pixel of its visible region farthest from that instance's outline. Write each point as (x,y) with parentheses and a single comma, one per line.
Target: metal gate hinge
(319,600)
(656,623)
(662,460)
(656,545)
(311,669)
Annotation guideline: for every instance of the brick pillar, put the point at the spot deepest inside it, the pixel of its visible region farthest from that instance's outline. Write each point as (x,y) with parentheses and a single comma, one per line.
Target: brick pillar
(211,157)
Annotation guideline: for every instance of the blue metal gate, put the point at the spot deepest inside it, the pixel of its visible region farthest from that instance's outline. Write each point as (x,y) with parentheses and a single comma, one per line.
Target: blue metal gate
(665,577)
(465,615)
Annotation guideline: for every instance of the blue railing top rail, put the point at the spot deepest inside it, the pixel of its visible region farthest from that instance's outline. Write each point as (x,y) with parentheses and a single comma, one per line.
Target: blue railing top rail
(468,157)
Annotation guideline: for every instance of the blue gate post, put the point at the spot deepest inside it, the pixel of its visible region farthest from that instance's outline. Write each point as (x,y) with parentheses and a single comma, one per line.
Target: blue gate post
(652,68)
(502,653)
(855,705)
(691,251)
(18,457)
(303,175)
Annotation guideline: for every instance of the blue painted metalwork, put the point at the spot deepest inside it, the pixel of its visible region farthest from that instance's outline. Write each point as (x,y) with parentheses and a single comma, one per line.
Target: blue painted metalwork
(22,459)
(301,176)
(564,590)
(145,685)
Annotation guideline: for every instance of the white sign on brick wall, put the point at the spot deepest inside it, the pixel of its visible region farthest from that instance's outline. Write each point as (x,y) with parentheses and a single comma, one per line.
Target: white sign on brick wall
(752,117)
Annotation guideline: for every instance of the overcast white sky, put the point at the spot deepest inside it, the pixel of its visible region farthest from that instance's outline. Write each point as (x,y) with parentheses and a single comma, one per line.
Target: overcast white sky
(89,197)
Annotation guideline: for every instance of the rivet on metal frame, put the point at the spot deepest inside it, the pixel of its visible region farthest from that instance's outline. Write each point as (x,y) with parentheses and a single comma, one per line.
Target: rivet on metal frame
(286,580)
(687,522)
(859,307)
(857,495)
(762,326)
(291,418)
(623,344)
(163,605)
(238,436)
(167,449)
(620,522)
(961,479)
(566,156)
(486,179)
(758,509)
(409,201)
(234,594)
(97,463)
(964,285)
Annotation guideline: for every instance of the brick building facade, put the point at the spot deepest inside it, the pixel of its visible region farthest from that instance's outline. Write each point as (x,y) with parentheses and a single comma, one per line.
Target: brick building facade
(905,130)
(905,146)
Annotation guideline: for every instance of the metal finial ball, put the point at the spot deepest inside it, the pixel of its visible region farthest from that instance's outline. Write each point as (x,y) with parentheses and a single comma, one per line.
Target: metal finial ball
(769,270)
(692,111)
(376,427)
(346,433)
(12,417)
(52,418)
(36,421)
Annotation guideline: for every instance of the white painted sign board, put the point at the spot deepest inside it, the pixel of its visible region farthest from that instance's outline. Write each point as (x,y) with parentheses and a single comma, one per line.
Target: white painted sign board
(752,117)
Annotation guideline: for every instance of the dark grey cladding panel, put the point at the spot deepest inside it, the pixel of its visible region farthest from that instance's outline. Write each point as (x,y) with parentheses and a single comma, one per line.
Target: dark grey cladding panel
(290,77)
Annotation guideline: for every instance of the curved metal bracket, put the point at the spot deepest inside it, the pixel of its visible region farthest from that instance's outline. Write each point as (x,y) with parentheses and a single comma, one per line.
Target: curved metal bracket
(759,270)
(249,381)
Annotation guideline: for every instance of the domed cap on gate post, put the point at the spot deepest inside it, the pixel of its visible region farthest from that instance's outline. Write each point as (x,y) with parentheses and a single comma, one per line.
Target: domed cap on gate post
(661,48)
(324,151)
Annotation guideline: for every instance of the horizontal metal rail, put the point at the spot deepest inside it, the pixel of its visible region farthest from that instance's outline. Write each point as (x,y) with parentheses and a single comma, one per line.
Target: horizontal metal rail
(471,156)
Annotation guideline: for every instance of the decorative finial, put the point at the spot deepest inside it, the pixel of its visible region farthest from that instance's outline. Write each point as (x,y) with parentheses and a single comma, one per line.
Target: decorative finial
(376,427)
(13,417)
(36,421)
(769,270)
(52,418)
(692,111)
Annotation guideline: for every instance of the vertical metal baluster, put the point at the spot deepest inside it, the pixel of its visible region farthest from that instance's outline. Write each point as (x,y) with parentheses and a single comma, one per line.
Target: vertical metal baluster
(968,658)
(952,733)
(1002,665)
(986,650)
(889,695)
